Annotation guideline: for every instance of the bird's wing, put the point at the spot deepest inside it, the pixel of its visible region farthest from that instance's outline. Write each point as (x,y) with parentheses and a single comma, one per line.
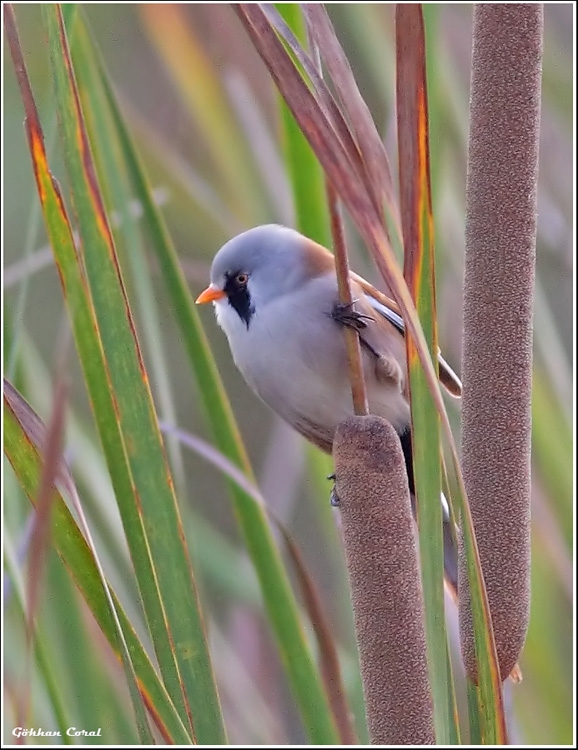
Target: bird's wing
(389,310)
(387,313)
(381,337)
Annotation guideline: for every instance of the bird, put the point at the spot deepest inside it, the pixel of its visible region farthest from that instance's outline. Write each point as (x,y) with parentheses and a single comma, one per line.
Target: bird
(276,298)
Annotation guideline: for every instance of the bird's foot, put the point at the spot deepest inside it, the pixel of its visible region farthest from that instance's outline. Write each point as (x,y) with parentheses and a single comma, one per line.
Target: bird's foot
(348,316)
(333,496)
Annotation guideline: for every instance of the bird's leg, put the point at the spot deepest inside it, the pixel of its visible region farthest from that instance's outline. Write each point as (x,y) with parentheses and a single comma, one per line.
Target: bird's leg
(348,316)
(333,496)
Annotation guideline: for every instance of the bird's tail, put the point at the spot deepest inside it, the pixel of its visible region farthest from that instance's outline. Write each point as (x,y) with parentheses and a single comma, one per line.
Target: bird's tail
(449,533)
(450,553)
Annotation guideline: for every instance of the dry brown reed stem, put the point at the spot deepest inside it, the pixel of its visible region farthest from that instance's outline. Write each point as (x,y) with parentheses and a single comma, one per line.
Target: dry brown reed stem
(498,301)
(381,551)
(352,345)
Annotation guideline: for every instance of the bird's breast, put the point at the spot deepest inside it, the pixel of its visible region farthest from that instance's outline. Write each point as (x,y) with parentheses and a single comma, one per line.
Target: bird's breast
(293,356)
(295,361)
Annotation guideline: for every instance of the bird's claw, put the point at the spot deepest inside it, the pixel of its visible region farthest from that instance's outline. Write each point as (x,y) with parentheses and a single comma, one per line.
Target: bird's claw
(348,316)
(334,500)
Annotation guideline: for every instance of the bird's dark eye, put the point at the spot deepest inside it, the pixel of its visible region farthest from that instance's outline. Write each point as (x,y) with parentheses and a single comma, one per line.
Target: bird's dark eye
(237,291)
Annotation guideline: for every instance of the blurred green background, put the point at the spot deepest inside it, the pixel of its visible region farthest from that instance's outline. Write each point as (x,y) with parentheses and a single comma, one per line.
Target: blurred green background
(205,115)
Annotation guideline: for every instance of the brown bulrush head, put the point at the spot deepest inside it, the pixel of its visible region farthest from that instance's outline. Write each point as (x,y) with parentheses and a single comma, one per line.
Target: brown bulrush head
(380,546)
(498,302)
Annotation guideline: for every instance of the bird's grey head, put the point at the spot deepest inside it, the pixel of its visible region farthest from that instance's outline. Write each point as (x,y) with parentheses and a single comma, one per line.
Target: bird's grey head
(258,265)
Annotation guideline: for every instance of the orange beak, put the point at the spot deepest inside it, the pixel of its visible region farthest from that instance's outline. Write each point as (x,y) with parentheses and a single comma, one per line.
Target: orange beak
(211,294)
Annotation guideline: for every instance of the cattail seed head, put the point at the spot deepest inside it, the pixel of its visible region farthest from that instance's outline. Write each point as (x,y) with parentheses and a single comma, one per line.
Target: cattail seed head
(381,551)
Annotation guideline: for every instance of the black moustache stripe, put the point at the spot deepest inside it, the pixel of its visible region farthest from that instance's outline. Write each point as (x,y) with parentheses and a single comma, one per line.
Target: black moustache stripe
(239,299)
